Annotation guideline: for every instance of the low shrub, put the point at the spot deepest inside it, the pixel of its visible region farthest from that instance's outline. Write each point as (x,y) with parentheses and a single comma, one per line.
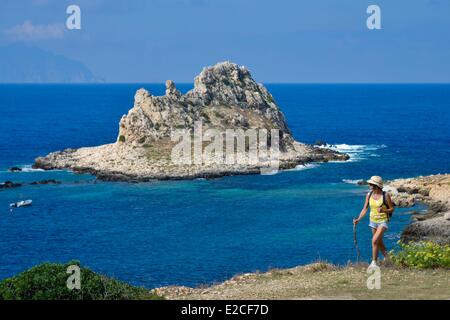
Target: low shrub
(422,255)
(48,281)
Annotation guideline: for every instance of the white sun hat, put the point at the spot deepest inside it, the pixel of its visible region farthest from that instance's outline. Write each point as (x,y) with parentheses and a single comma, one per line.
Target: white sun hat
(377,181)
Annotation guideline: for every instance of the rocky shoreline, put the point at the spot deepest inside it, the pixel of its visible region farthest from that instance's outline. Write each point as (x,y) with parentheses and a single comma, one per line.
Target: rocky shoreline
(224,97)
(434,191)
(73,160)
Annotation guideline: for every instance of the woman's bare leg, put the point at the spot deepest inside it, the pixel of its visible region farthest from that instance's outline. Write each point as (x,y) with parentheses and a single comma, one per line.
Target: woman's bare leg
(377,235)
(381,245)
(374,252)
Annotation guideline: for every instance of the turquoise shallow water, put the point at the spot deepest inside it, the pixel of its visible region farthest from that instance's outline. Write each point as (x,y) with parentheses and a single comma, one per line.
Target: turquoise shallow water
(201,231)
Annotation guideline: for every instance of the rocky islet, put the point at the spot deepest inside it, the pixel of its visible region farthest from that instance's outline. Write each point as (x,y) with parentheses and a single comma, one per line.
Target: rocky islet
(224,96)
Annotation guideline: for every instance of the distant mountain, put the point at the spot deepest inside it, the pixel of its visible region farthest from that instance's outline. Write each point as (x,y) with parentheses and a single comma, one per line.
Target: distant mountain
(26,64)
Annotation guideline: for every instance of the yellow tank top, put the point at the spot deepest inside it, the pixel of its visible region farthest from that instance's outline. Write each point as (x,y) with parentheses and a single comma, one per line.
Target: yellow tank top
(376,216)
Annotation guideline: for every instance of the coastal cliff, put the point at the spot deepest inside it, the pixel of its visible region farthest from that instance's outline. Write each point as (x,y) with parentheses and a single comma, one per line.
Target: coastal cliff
(224,97)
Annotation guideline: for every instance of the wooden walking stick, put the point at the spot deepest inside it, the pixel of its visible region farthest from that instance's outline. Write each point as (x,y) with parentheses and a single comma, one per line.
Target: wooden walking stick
(355,240)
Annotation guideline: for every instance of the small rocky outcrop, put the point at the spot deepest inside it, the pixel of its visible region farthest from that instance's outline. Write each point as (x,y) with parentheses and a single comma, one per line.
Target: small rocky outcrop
(15,169)
(434,225)
(224,96)
(9,185)
(320,143)
(50,181)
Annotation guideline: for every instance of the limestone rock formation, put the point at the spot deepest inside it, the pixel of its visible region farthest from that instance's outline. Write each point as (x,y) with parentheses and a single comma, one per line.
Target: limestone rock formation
(224,96)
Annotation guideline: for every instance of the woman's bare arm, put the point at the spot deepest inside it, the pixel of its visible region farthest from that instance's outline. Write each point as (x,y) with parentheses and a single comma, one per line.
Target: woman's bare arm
(363,211)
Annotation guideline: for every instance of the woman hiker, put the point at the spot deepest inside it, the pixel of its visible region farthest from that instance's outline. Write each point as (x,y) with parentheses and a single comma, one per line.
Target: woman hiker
(381,209)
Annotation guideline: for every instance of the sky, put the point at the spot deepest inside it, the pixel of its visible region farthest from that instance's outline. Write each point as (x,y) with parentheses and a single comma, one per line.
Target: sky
(283,41)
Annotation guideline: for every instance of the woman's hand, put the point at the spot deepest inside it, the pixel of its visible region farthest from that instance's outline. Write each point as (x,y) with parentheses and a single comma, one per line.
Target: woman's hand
(380,209)
(355,221)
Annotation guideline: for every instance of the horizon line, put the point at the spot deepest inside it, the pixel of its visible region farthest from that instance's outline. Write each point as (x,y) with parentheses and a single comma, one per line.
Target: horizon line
(192,83)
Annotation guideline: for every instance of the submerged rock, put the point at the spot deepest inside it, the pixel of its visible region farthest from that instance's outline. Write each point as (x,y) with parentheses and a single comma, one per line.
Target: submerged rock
(224,97)
(50,181)
(15,169)
(9,185)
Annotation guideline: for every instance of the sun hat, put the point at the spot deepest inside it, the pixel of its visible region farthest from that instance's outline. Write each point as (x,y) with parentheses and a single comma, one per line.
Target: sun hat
(377,181)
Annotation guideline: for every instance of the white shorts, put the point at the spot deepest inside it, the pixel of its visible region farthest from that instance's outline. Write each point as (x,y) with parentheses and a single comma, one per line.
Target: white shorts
(376,225)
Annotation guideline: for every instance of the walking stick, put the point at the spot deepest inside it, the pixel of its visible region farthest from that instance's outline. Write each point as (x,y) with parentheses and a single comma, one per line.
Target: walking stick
(355,240)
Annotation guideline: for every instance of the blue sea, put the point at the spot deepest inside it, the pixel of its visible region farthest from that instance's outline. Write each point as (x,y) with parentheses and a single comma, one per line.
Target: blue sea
(205,231)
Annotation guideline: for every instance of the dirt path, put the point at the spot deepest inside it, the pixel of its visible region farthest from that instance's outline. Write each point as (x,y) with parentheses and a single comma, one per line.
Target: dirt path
(323,281)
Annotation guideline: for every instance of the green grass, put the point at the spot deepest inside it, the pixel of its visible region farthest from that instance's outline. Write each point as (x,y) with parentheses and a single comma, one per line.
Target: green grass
(47,281)
(328,282)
